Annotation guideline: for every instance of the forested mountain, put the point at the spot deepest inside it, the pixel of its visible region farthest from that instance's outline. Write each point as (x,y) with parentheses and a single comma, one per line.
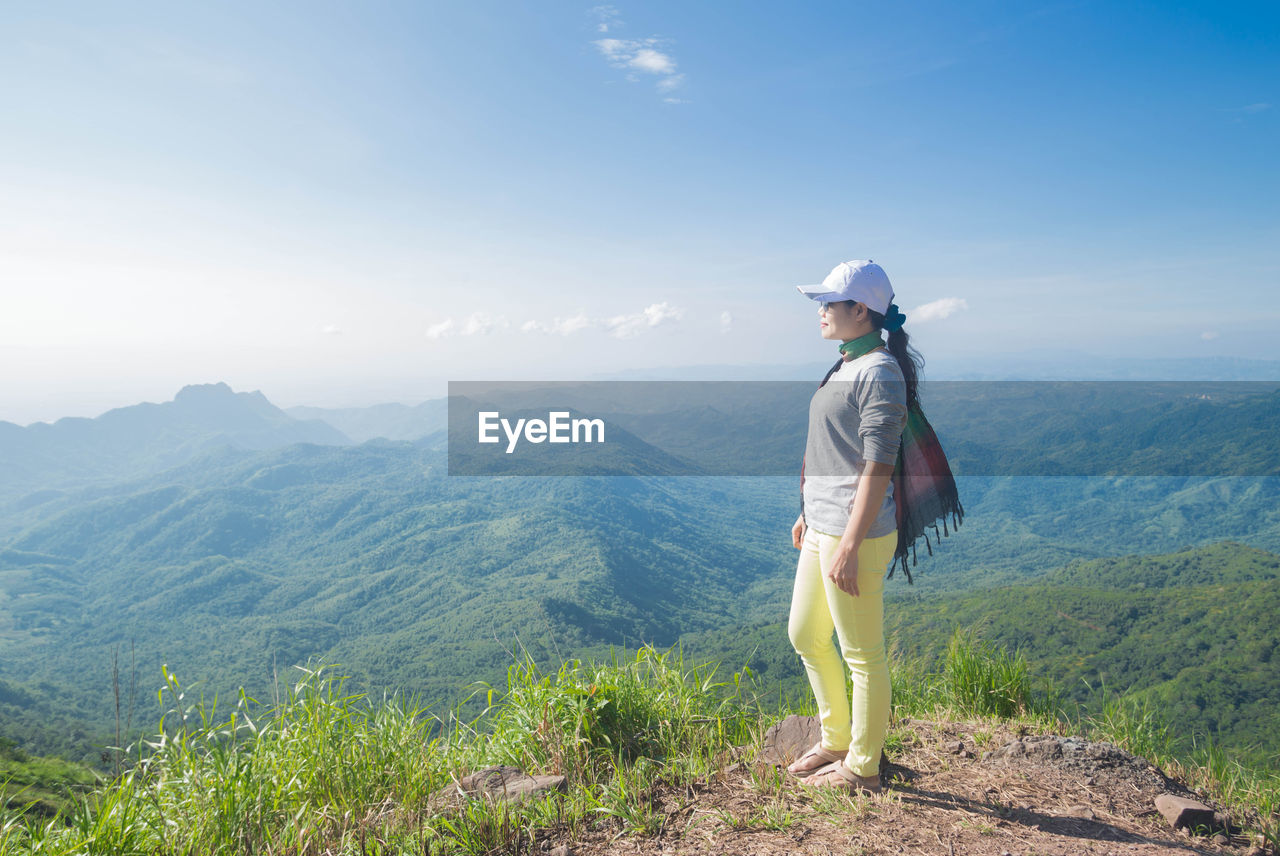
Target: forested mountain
(385,421)
(238,562)
(146,438)
(243,562)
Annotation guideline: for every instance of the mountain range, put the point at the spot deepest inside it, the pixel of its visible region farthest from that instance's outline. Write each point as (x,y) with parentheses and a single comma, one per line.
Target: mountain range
(222,546)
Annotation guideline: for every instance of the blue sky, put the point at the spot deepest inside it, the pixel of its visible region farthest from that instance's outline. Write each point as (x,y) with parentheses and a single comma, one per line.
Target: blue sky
(344,204)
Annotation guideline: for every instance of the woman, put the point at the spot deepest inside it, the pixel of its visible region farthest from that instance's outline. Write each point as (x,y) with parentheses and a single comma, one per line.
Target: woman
(846,532)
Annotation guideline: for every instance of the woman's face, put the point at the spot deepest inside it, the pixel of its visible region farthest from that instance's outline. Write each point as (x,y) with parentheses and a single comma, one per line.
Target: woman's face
(839,321)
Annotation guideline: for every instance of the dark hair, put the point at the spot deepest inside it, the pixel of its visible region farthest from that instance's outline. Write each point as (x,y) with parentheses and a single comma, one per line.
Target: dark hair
(909,359)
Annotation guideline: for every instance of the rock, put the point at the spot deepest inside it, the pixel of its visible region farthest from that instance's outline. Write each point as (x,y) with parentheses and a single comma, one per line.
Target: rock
(1080,811)
(955,747)
(1047,749)
(787,740)
(1183,813)
(1012,749)
(1071,752)
(562,850)
(511,783)
(1220,840)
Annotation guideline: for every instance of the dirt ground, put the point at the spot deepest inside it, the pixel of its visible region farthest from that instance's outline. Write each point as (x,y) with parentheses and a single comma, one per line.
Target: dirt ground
(940,801)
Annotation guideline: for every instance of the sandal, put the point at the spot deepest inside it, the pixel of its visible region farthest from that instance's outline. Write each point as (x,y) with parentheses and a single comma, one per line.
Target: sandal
(837,775)
(798,767)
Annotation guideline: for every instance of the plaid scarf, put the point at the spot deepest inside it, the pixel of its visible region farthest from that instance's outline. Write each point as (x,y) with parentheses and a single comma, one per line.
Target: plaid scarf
(924,491)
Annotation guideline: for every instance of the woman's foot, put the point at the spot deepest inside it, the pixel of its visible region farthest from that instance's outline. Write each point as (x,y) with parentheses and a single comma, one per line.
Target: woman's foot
(837,775)
(815,759)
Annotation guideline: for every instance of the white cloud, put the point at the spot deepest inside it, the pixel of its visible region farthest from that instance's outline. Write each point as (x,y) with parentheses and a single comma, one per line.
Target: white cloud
(439,331)
(726,322)
(614,50)
(606,17)
(654,62)
(642,56)
(1209,335)
(480,324)
(476,325)
(669,83)
(627,326)
(620,326)
(572,324)
(936,310)
(331,330)
(560,326)
(1255,108)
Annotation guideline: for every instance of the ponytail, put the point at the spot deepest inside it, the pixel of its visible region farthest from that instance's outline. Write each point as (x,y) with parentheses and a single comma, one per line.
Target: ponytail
(909,359)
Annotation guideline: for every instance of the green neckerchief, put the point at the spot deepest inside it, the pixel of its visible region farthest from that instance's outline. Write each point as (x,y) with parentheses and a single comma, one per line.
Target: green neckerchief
(861,346)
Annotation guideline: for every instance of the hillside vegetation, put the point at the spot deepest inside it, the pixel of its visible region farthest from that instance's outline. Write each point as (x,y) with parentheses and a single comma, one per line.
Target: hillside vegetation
(41,788)
(239,564)
(638,740)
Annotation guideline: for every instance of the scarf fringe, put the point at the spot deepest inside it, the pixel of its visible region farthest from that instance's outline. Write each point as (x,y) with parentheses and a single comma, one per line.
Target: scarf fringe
(954,510)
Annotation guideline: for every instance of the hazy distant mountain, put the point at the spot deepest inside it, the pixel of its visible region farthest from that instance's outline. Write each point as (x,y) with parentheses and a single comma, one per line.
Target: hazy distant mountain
(142,438)
(1027,365)
(388,421)
(1038,365)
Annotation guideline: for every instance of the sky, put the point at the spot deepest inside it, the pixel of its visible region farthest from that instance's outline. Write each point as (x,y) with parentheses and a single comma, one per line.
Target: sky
(341,204)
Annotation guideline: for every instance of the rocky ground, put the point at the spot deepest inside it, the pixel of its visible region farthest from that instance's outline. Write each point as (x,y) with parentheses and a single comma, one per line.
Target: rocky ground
(955,788)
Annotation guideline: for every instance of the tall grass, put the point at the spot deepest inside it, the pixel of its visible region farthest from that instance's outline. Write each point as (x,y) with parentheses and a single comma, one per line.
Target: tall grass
(327,771)
(650,706)
(976,679)
(1134,723)
(1138,725)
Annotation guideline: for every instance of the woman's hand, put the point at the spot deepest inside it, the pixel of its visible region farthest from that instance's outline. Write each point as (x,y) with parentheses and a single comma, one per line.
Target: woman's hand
(797,532)
(844,570)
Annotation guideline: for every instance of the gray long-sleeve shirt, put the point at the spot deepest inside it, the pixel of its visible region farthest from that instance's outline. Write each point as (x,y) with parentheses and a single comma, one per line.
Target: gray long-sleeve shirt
(857,416)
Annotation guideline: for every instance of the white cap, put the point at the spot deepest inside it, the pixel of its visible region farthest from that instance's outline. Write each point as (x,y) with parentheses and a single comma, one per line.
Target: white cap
(861,279)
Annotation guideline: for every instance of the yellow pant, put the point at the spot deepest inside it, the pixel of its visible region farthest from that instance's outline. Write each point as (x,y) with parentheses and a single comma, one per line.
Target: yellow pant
(816,607)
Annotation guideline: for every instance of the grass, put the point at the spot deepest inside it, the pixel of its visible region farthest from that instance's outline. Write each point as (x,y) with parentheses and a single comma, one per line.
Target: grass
(44,787)
(326,771)
(1247,793)
(977,679)
(774,815)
